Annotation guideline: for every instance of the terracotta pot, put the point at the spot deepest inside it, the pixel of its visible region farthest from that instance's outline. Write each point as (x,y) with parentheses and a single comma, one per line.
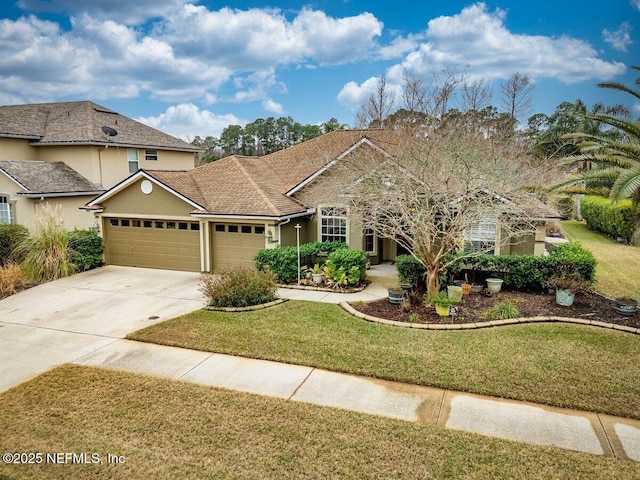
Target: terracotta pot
(466,288)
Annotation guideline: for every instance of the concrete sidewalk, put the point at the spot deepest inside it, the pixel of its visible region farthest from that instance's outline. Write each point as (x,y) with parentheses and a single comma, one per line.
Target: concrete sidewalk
(512,420)
(382,277)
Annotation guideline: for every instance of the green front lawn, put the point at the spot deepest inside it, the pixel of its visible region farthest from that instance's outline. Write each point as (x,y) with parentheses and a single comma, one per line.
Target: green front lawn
(164,429)
(618,264)
(565,365)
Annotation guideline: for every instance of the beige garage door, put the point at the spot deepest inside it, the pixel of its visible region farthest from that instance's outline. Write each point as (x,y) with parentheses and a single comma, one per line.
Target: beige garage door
(235,244)
(167,244)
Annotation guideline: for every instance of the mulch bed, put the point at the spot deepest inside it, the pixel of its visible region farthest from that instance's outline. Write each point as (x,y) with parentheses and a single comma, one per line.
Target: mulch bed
(588,306)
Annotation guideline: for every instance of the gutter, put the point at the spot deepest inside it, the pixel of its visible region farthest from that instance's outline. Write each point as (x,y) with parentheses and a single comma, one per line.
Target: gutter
(59,194)
(282,218)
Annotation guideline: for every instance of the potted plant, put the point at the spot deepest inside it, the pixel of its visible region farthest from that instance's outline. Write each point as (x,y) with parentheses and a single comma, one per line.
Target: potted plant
(395,295)
(317,274)
(494,285)
(442,302)
(626,306)
(567,283)
(466,286)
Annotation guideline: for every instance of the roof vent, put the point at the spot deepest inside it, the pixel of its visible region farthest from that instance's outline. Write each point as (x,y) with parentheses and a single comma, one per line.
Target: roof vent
(109,132)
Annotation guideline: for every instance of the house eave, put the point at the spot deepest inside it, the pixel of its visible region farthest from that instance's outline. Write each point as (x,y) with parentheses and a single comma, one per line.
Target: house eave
(59,194)
(91,143)
(227,216)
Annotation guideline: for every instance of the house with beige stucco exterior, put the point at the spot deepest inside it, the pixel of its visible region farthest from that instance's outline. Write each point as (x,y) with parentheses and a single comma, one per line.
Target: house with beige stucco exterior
(220,214)
(64,154)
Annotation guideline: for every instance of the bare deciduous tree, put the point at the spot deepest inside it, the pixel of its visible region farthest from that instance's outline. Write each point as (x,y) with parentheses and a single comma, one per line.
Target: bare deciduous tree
(476,95)
(377,107)
(429,194)
(516,95)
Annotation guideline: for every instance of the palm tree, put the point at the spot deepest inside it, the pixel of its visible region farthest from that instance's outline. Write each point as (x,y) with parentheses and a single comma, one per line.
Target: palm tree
(608,164)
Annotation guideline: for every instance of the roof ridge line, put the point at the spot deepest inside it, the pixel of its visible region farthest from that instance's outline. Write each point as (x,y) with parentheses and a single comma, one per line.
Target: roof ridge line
(246,174)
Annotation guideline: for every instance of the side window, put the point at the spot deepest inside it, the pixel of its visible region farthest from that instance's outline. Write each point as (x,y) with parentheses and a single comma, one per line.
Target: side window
(6,210)
(132,158)
(151,155)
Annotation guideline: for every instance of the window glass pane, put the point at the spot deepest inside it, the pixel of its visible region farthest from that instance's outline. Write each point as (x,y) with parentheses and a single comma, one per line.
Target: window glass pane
(135,223)
(195,226)
(219,227)
(113,222)
(246,229)
(333,224)
(132,158)
(369,240)
(124,223)
(182,226)
(147,223)
(233,228)
(151,155)
(159,224)
(259,230)
(171,225)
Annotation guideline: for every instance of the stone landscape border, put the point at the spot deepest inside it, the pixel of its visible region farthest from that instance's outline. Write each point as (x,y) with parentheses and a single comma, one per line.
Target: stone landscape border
(491,323)
(247,309)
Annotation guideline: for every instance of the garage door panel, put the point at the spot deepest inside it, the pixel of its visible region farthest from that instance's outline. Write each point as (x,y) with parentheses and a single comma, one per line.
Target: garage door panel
(235,248)
(151,247)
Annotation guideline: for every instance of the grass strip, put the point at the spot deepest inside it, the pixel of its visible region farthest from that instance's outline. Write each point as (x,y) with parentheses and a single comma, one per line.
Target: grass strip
(564,365)
(166,429)
(618,264)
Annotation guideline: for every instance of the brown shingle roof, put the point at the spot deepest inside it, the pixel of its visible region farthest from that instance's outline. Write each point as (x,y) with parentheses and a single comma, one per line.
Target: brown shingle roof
(47,178)
(294,164)
(81,123)
(235,185)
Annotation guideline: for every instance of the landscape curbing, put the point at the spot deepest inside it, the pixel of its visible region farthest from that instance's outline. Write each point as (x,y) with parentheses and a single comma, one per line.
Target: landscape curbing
(250,308)
(492,323)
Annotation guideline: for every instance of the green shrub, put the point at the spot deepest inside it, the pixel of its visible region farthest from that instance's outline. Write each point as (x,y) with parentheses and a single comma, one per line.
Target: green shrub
(410,269)
(618,220)
(85,248)
(45,250)
(352,262)
(10,237)
(528,272)
(283,261)
(239,287)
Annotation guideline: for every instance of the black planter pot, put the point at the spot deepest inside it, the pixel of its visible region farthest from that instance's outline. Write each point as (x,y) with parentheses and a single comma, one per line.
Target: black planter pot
(626,307)
(395,296)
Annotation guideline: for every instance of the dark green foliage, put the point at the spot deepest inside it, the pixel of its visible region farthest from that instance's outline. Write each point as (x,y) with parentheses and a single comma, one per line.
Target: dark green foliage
(527,272)
(410,269)
(86,248)
(239,287)
(353,263)
(283,261)
(618,220)
(10,237)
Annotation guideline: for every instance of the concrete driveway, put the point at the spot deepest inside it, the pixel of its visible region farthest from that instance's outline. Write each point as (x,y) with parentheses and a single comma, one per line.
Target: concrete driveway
(61,321)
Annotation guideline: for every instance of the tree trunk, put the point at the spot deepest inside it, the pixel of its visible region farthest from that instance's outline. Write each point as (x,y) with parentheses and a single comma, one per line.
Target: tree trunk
(433,283)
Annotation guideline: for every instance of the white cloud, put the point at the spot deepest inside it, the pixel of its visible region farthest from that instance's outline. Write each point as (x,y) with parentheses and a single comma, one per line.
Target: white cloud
(353,95)
(271,106)
(636,4)
(185,121)
(479,39)
(619,39)
(185,56)
(125,11)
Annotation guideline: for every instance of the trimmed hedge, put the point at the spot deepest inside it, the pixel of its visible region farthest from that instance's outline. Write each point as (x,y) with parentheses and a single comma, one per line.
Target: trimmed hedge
(85,248)
(618,220)
(283,261)
(519,272)
(11,235)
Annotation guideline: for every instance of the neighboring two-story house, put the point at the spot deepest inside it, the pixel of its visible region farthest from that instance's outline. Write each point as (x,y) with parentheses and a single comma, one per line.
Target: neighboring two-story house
(67,153)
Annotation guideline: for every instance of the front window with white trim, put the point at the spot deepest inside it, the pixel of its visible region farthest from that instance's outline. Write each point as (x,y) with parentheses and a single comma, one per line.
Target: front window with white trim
(481,236)
(132,159)
(333,224)
(6,210)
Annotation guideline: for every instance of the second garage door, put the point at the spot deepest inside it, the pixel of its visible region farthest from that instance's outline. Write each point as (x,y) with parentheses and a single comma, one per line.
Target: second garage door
(234,244)
(167,244)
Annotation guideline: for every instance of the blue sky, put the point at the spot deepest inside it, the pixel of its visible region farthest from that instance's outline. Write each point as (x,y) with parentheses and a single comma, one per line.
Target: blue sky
(193,67)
